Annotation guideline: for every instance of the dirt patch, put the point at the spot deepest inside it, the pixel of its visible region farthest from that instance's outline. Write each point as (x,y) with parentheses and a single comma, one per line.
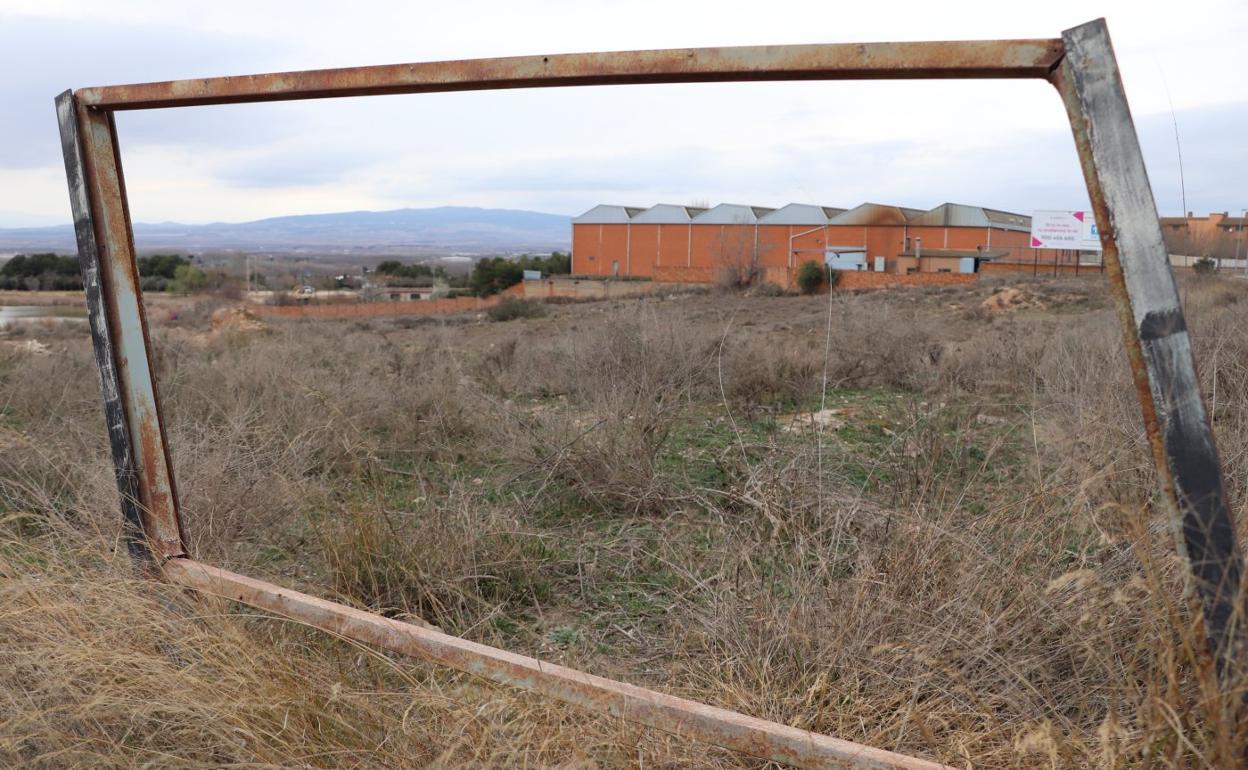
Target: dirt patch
(823,419)
(1009,299)
(235,319)
(30,347)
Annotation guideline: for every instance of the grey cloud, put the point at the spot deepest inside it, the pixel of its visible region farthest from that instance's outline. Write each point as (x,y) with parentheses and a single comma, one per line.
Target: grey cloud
(1033,171)
(42,57)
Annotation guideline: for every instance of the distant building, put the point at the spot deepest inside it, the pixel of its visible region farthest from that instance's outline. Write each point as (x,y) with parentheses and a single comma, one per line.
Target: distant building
(740,242)
(1218,236)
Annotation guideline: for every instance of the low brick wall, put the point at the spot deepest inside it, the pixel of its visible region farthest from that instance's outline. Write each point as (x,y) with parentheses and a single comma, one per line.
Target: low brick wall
(678,274)
(1038,269)
(377,309)
(593,288)
(856,280)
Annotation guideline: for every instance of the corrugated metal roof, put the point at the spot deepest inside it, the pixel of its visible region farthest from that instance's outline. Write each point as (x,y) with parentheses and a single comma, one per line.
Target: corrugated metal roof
(1008,220)
(667,214)
(944,215)
(961,215)
(800,214)
(604,214)
(731,214)
(874,214)
(952,215)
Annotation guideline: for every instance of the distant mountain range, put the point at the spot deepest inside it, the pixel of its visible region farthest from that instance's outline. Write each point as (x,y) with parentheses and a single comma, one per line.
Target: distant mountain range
(431,230)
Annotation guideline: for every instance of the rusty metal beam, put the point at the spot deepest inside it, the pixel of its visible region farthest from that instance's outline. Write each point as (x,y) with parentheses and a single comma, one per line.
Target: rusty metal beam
(119,326)
(1082,67)
(845,61)
(756,737)
(93,280)
(1155,334)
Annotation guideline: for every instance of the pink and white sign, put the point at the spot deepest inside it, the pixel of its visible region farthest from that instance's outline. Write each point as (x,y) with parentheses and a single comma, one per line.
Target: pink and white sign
(1064,230)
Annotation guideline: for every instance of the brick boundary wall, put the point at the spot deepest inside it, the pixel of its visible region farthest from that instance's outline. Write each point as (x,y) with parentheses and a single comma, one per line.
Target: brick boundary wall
(682,274)
(444,306)
(597,288)
(1039,269)
(855,280)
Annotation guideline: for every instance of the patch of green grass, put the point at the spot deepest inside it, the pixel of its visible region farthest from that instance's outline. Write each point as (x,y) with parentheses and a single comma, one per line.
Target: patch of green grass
(565,636)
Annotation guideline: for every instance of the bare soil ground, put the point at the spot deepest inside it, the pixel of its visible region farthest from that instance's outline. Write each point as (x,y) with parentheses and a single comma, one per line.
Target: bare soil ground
(956,556)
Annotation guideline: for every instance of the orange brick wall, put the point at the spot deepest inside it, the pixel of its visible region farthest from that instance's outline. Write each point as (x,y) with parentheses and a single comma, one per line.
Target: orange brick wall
(641,250)
(674,244)
(1038,268)
(682,274)
(378,309)
(867,280)
(594,247)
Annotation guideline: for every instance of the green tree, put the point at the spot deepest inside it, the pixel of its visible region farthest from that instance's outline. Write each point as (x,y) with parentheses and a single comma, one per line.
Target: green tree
(810,277)
(187,279)
(494,274)
(40,271)
(161,265)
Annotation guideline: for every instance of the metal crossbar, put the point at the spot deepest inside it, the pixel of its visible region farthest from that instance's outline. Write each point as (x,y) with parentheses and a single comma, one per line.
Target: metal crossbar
(1081,65)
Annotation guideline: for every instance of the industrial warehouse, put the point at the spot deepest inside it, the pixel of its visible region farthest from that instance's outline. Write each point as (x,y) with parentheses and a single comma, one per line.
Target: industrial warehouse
(743,244)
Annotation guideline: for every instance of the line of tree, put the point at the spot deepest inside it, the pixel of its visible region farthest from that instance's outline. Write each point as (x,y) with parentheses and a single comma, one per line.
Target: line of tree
(494,274)
(417,275)
(170,272)
(57,272)
(41,272)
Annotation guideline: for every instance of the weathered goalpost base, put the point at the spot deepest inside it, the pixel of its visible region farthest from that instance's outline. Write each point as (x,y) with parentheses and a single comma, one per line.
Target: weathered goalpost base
(1081,65)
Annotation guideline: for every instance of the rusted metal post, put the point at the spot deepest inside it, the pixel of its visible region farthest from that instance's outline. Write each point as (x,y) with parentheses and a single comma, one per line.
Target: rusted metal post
(1155,335)
(1081,65)
(840,61)
(748,735)
(119,329)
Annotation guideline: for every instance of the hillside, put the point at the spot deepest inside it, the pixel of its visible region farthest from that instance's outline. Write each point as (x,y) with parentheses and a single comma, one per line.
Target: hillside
(444,228)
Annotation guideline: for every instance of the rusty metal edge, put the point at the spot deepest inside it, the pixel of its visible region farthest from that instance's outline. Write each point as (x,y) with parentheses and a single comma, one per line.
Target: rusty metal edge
(93,281)
(686,718)
(1155,335)
(121,306)
(841,61)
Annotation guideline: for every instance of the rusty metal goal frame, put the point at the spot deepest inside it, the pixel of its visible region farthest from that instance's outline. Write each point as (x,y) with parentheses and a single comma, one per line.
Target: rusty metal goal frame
(1080,64)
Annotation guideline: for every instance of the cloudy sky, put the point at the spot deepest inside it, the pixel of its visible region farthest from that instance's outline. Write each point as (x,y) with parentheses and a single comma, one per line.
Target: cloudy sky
(1002,143)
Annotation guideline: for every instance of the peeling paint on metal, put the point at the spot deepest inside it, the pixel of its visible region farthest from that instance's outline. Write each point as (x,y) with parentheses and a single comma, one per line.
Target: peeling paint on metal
(749,735)
(1156,337)
(845,61)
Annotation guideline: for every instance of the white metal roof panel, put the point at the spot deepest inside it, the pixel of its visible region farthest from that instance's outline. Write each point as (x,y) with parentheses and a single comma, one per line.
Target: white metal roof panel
(799,214)
(667,214)
(729,214)
(604,214)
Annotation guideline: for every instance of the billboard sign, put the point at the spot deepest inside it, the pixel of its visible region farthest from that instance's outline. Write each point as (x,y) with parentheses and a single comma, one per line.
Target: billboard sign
(1064,230)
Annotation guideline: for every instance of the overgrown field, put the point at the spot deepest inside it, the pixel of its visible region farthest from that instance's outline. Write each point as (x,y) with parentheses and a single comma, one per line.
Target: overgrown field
(896,518)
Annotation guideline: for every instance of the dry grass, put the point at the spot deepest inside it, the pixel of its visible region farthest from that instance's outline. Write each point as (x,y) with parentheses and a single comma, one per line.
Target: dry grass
(965,565)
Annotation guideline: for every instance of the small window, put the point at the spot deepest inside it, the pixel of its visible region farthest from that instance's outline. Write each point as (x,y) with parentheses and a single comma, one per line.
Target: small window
(615,267)
(944,270)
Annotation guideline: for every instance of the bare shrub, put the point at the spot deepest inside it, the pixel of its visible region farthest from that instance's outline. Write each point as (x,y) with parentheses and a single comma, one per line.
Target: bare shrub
(966,563)
(452,562)
(511,308)
(756,373)
(630,380)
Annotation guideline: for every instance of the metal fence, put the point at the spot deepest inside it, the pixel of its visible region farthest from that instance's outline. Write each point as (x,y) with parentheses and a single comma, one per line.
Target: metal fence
(1080,64)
